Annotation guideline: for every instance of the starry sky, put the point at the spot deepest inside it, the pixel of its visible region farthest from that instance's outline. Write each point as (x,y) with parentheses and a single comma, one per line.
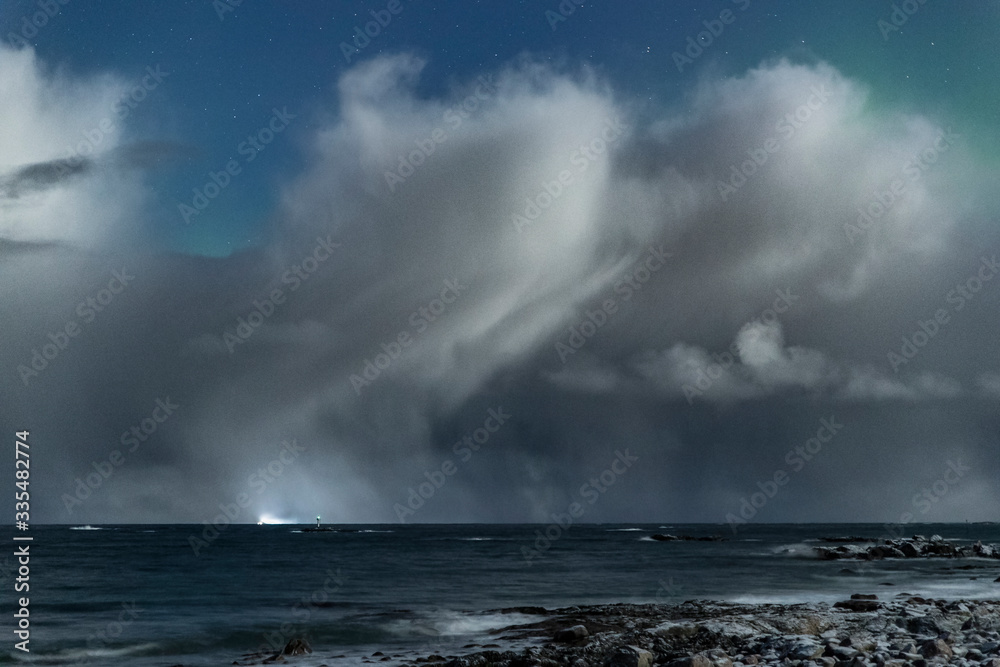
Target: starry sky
(294,125)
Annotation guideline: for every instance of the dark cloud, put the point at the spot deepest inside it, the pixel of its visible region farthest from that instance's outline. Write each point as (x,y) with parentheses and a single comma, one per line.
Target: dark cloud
(41,176)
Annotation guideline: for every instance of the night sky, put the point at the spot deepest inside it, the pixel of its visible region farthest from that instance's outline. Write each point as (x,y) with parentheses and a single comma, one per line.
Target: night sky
(456,261)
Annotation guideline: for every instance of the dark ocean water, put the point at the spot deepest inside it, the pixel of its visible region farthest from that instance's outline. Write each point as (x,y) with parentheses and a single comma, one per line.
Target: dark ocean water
(139,596)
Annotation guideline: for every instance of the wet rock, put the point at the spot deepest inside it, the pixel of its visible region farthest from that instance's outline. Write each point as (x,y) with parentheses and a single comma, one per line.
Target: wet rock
(864,596)
(296,646)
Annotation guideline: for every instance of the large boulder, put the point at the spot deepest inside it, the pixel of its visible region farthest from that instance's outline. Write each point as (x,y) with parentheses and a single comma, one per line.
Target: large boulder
(296,646)
(571,634)
(857,605)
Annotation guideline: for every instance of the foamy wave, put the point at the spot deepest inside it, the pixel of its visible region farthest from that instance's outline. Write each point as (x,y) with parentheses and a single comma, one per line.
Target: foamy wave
(457,624)
(87,527)
(81,654)
(625,530)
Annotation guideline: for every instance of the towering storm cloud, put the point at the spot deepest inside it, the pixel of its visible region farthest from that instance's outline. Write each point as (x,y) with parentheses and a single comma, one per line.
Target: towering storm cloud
(474,299)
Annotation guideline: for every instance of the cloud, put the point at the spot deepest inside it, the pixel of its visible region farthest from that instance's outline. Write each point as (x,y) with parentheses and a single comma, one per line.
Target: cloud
(989,383)
(439,303)
(54,132)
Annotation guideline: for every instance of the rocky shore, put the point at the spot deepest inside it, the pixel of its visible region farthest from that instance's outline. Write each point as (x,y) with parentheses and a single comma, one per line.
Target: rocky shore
(864,631)
(917,546)
(861,632)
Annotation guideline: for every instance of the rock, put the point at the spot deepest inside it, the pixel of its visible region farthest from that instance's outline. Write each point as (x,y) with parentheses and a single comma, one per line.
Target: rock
(571,634)
(857,605)
(296,646)
(864,596)
(664,538)
(845,653)
(804,649)
(696,660)
(991,662)
(678,630)
(935,647)
(630,656)
(922,625)
(718,657)
(997,580)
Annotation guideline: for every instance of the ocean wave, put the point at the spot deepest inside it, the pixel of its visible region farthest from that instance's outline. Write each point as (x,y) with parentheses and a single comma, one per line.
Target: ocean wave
(87,527)
(70,655)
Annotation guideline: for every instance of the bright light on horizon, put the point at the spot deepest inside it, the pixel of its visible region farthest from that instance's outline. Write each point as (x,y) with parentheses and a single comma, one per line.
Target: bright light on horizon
(269,520)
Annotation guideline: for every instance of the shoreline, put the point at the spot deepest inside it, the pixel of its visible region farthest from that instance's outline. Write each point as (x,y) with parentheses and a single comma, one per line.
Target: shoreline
(865,630)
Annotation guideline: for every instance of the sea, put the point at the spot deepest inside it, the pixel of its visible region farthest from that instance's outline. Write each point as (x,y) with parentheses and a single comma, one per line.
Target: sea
(139,595)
